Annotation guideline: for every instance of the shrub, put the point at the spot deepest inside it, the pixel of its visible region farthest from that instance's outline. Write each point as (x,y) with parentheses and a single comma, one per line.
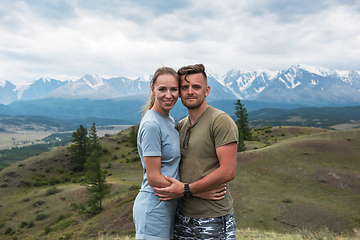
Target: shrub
(60,170)
(109,165)
(105,150)
(63,225)
(135,159)
(9,230)
(2,224)
(52,191)
(23,224)
(53,181)
(61,217)
(41,216)
(11,174)
(26,199)
(133,187)
(30,224)
(38,203)
(47,229)
(21,165)
(47,170)
(27,182)
(4,185)
(66,178)
(114,157)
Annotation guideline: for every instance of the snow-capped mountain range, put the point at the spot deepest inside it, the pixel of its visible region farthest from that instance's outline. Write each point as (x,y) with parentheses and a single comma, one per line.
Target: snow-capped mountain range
(304,84)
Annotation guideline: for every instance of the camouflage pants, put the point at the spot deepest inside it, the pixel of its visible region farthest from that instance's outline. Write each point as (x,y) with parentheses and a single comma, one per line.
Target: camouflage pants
(205,228)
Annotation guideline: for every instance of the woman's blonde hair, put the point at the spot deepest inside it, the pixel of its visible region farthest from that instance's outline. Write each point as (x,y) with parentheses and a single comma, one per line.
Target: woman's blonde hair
(158,72)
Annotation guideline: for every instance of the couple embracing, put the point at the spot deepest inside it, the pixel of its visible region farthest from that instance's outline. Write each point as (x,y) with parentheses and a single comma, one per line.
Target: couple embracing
(186,167)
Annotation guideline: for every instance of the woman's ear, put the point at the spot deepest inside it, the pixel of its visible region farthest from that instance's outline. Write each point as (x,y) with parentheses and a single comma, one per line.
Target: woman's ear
(152,90)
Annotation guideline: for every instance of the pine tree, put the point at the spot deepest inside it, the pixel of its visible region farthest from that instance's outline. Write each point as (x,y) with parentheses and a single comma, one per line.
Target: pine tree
(94,142)
(241,146)
(242,123)
(133,136)
(79,148)
(95,178)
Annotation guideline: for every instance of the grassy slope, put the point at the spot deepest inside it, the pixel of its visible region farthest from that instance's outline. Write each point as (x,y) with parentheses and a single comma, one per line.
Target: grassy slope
(308,180)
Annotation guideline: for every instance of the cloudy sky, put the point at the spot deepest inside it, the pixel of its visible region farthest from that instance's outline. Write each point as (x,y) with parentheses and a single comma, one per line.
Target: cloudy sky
(66,39)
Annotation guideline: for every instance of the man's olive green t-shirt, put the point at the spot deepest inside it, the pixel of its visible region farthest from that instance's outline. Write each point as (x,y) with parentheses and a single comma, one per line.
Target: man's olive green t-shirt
(214,128)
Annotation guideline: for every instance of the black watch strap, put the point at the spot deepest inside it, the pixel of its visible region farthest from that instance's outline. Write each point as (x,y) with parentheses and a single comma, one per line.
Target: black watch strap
(187,192)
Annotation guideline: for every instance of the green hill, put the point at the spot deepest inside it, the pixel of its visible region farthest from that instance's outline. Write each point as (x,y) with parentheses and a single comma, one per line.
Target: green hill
(307,181)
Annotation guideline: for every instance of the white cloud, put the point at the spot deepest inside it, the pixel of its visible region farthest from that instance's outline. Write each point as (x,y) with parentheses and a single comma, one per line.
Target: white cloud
(68,39)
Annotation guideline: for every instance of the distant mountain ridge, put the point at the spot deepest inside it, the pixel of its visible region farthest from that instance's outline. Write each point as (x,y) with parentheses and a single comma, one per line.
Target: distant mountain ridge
(298,84)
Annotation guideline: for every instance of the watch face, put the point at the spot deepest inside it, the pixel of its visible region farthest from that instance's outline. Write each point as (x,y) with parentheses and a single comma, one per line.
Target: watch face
(187,194)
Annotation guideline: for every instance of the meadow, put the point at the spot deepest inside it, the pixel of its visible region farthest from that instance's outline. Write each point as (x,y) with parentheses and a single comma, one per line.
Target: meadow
(291,183)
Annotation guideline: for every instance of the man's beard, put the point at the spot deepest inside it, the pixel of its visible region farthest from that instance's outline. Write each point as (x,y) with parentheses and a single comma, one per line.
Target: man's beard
(194,106)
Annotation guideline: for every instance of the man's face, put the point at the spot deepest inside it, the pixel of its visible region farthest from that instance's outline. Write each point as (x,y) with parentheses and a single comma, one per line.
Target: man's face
(193,91)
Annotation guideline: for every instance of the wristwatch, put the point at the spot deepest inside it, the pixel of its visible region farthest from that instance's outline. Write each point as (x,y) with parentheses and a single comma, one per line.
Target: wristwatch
(187,192)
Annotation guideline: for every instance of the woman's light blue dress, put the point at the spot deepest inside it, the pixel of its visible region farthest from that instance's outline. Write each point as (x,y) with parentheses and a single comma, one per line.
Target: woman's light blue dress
(157,136)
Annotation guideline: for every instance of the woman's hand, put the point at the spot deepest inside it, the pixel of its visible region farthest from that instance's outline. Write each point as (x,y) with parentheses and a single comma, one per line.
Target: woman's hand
(216,194)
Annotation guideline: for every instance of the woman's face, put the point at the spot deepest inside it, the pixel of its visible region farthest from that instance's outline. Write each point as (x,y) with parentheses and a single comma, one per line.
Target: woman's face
(166,92)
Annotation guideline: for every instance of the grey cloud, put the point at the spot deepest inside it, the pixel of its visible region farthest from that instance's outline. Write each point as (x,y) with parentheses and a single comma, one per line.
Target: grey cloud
(139,11)
(57,10)
(288,11)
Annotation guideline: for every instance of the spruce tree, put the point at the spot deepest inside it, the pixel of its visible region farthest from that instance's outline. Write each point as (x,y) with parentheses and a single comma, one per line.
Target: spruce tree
(79,148)
(94,142)
(95,179)
(133,136)
(242,124)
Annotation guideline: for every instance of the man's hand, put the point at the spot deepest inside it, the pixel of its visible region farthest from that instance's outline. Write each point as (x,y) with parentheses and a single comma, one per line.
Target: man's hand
(215,194)
(176,190)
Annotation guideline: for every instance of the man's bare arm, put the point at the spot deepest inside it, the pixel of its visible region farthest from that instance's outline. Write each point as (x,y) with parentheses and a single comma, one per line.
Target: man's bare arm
(227,156)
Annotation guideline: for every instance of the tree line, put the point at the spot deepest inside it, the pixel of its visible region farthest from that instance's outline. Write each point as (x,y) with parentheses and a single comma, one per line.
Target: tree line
(85,150)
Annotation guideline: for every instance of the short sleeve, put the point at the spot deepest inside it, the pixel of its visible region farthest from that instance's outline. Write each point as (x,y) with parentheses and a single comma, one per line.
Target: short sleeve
(150,139)
(225,130)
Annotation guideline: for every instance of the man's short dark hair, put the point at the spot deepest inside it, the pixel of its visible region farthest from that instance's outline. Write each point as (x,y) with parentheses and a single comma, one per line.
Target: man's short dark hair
(192,69)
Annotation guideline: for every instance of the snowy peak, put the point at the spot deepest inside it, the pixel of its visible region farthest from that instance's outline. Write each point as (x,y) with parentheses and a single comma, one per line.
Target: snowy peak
(92,81)
(299,83)
(2,83)
(324,72)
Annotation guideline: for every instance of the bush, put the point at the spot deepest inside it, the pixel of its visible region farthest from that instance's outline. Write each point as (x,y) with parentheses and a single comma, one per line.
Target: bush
(4,185)
(9,230)
(47,170)
(11,174)
(61,217)
(52,191)
(41,216)
(47,229)
(38,203)
(66,178)
(60,170)
(53,181)
(26,199)
(30,224)
(23,224)
(135,159)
